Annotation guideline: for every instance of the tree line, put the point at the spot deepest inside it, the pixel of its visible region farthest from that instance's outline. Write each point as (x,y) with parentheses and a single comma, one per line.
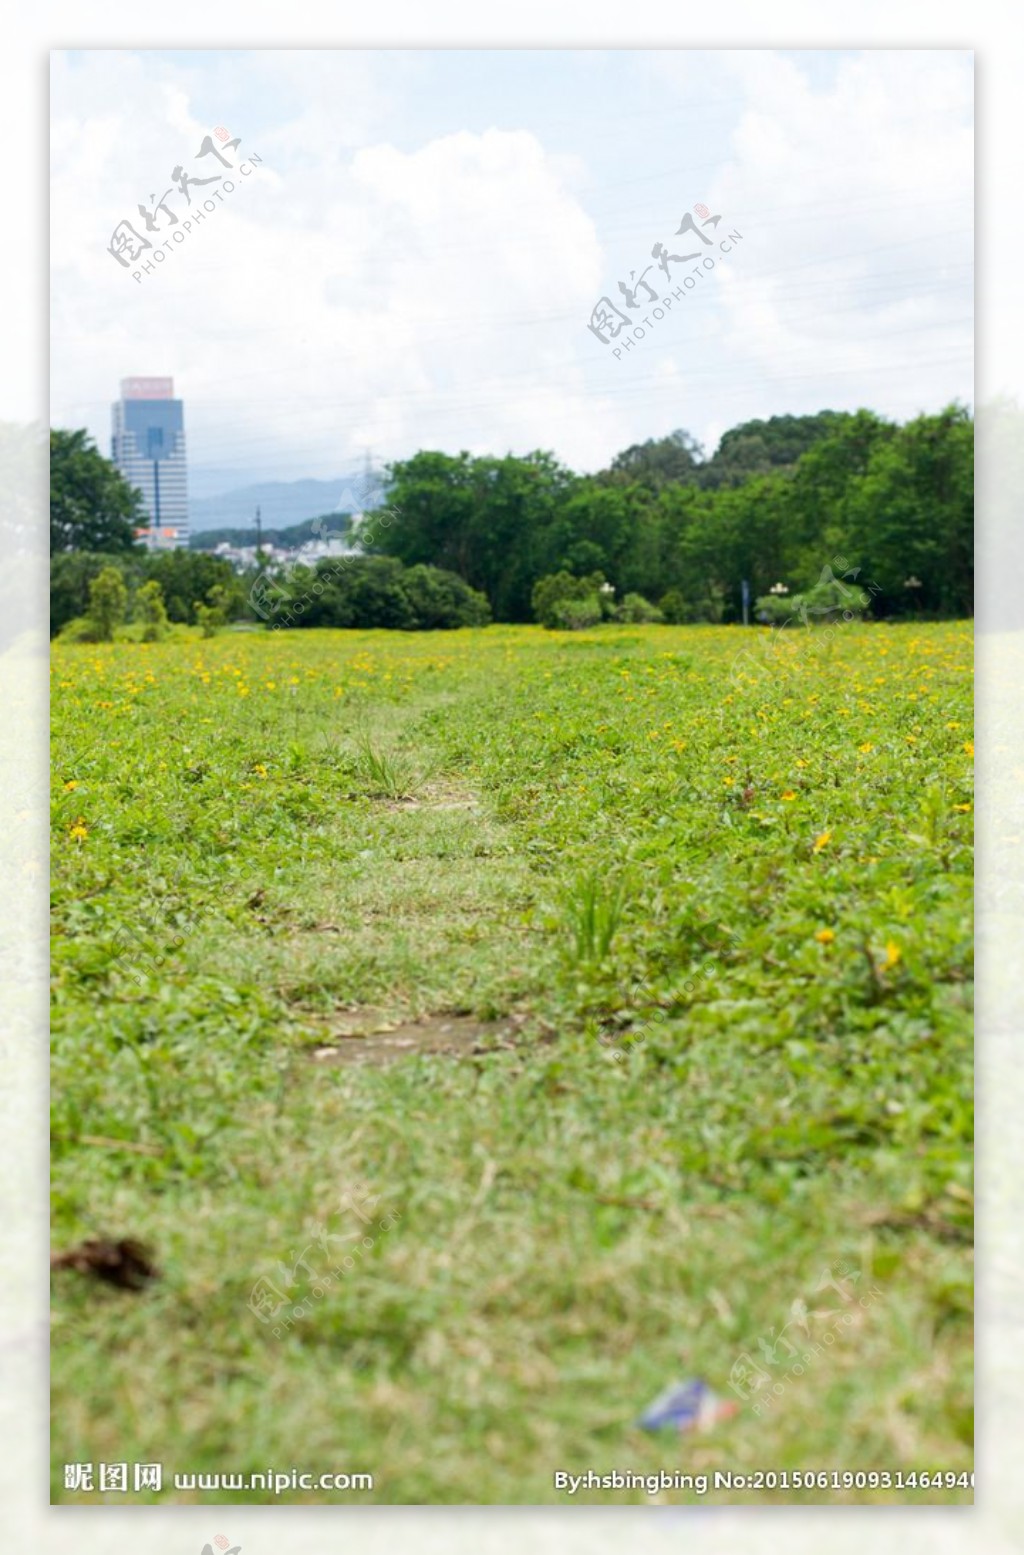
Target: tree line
(662,533)
(774,505)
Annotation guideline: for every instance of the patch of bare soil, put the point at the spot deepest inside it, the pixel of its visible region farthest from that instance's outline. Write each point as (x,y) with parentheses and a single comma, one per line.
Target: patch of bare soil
(363,1037)
(432,796)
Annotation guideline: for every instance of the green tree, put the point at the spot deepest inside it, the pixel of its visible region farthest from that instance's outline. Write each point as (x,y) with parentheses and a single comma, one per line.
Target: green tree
(150,610)
(605,528)
(660,460)
(486,519)
(108,604)
(71,573)
(816,522)
(759,447)
(186,579)
(211,616)
(92,507)
(910,515)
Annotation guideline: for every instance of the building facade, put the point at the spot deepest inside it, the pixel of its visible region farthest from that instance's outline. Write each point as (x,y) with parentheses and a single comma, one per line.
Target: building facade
(148,447)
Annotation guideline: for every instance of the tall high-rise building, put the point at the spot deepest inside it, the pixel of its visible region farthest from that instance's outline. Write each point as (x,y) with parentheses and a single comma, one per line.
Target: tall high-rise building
(148,447)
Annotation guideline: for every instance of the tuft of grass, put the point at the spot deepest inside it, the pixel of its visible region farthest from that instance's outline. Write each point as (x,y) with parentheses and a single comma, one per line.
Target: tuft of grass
(386,774)
(593,905)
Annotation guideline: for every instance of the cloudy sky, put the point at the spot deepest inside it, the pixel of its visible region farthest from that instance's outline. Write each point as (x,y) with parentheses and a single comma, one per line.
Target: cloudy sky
(414,262)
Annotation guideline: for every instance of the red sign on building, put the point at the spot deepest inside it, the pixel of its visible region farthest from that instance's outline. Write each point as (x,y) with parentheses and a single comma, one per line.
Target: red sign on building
(147,388)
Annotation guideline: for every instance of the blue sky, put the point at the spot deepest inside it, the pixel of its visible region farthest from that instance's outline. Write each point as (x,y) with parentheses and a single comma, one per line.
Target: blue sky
(415,260)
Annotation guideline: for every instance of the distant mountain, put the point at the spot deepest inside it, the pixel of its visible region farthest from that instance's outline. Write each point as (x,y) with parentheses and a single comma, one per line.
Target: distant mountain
(283,503)
(209,480)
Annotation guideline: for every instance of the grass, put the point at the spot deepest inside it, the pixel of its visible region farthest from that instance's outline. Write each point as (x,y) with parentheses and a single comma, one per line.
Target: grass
(385,774)
(733,915)
(593,909)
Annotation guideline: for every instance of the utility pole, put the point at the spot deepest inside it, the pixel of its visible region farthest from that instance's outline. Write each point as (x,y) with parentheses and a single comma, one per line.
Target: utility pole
(366,483)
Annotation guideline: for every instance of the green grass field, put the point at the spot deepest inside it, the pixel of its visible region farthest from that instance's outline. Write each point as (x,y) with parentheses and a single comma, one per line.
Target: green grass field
(669,968)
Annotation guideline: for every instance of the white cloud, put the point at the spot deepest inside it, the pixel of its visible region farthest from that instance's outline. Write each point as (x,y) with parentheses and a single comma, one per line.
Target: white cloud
(379,284)
(856,205)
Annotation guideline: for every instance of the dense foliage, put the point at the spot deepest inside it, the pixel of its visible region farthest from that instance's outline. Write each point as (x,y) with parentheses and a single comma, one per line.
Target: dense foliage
(186,579)
(377,591)
(780,501)
(777,503)
(92,507)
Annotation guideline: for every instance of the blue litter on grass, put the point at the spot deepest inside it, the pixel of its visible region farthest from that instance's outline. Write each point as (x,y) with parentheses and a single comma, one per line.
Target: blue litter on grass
(687,1406)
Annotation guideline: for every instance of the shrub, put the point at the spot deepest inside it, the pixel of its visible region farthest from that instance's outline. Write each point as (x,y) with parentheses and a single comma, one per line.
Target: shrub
(211,617)
(637,611)
(775,609)
(364,592)
(80,629)
(830,597)
(185,578)
(108,603)
(151,612)
(680,609)
(551,594)
(575,615)
(827,598)
(442,600)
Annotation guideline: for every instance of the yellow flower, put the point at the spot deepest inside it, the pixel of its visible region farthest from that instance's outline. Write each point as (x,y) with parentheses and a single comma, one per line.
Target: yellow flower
(789,794)
(260,769)
(271,685)
(963,808)
(820,842)
(953,726)
(968,747)
(79,831)
(825,936)
(893,953)
(867,746)
(72,783)
(801,763)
